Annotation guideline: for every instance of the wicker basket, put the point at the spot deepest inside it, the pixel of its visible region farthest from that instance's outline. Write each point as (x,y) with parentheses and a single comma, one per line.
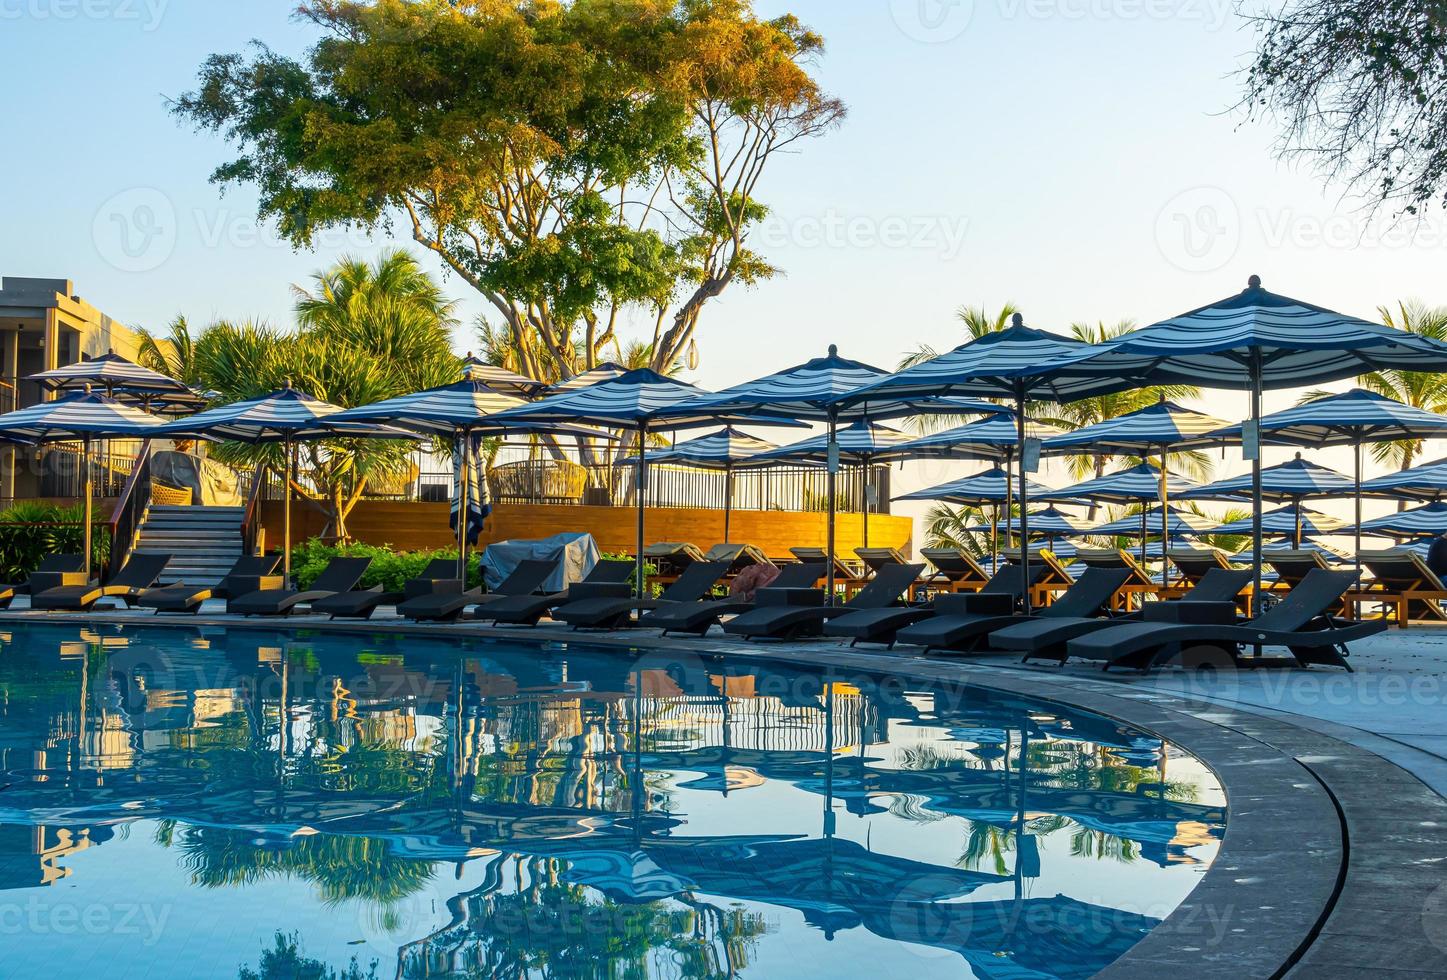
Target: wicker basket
(164,496)
(538,481)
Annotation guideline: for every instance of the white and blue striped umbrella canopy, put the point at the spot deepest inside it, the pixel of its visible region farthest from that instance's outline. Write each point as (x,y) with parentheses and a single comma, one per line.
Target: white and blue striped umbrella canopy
(1346,419)
(1164,425)
(630,401)
(1425,482)
(1297,344)
(862,440)
(84,414)
(502,380)
(1283,521)
(1050,522)
(994,437)
(810,390)
(463,406)
(284,414)
(1429,520)
(993,486)
(1332,555)
(607,371)
(1284,482)
(1018,362)
(1133,485)
(110,372)
(1182,523)
(721,450)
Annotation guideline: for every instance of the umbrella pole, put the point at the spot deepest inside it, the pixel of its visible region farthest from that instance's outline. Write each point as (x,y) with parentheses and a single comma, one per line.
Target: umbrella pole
(728,501)
(1357,474)
(995,540)
(286,512)
(1296,540)
(1165,521)
(86,491)
(1009,498)
(642,485)
(1144,530)
(830,477)
(1256,597)
(865,501)
(463,479)
(1024,495)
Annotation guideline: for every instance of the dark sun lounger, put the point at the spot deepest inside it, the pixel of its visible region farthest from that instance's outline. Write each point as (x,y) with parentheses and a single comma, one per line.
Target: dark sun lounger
(139,573)
(779,617)
(603,613)
(608,579)
(1300,622)
(697,618)
(1047,637)
(188,598)
(883,625)
(527,578)
(964,621)
(46,575)
(340,575)
(439,577)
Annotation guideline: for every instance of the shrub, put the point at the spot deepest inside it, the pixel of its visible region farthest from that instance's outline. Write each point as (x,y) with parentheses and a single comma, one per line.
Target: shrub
(389,569)
(31,531)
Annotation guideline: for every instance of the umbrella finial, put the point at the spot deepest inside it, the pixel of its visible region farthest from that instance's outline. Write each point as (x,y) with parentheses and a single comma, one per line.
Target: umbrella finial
(833,350)
(287,384)
(1017,320)
(1253,283)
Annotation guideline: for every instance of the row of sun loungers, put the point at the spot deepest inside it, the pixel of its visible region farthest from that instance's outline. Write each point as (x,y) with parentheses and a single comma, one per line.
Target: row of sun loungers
(1087,621)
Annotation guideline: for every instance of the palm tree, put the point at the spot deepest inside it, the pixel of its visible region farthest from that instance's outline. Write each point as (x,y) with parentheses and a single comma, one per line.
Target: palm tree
(956,527)
(979,322)
(174,354)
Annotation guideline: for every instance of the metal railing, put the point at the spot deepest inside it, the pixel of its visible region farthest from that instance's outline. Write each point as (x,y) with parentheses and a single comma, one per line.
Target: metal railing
(61,473)
(130,510)
(251,519)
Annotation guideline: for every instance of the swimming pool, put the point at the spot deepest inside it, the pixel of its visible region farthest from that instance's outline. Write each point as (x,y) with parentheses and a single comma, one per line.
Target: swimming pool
(234,803)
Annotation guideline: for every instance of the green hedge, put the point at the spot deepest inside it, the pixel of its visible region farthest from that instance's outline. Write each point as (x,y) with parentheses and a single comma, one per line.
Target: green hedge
(389,569)
(29,532)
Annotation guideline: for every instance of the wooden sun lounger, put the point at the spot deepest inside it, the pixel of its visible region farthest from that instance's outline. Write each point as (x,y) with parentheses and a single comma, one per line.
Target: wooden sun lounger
(739,556)
(1292,565)
(847,577)
(1053,578)
(959,569)
(1401,584)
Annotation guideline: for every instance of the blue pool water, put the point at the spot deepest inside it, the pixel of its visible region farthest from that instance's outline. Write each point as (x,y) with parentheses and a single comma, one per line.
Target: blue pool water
(246,803)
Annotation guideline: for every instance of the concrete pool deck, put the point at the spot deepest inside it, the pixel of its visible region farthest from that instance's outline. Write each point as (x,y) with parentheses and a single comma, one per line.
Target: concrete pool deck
(1334,862)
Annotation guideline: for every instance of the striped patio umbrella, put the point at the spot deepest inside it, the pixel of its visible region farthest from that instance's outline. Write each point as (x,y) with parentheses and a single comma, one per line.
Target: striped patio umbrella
(1289,482)
(286,416)
(112,374)
(1429,520)
(83,415)
(1425,482)
(861,442)
(1254,341)
(1290,521)
(1017,363)
(1136,485)
(725,450)
(502,380)
(1351,419)
(643,402)
(461,412)
(1179,523)
(811,391)
(607,371)
(1158,429)
(994,487)
(1048,523)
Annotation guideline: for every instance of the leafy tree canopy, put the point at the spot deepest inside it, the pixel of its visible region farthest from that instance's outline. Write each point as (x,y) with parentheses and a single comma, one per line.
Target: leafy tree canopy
(571,161)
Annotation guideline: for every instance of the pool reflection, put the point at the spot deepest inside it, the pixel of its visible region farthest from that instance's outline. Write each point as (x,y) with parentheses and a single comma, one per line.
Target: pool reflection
(498,809)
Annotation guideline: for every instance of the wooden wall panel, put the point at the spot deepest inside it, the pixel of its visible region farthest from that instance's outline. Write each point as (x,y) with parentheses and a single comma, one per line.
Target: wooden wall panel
(411,526)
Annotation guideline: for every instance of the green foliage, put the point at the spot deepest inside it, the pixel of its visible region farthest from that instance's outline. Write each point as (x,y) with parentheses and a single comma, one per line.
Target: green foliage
(284,961)
(566,160)
(31,531)
(389,569)
(649,569)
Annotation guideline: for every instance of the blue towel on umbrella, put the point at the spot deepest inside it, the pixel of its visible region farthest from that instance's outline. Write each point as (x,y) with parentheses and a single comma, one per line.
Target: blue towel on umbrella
(479,503)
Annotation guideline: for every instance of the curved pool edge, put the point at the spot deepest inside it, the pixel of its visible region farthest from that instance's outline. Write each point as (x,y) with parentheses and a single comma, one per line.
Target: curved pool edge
(1288,894)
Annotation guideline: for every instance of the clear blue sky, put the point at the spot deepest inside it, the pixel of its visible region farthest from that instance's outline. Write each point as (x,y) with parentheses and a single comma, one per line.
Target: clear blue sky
(1075,156)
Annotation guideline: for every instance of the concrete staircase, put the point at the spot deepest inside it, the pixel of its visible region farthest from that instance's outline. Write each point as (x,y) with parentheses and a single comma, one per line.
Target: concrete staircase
(203,542)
